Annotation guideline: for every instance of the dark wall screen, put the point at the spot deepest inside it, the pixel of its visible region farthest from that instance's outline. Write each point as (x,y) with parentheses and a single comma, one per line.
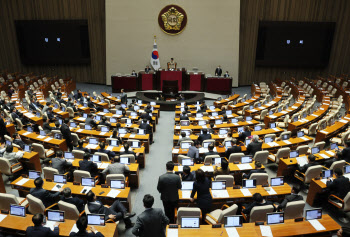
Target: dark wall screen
(294,44)
(53,41)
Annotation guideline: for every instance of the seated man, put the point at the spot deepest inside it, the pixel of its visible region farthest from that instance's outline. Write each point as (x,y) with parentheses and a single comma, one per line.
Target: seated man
(104,122)
(90,104)
(294,196)
(204,136)
(59,163)
(67,197)
(147,69)
(82,225)
(81,147)
(187,175)
(148,128)
(44,195)
(46,126)
(116,167)
(338,156)
(90,120)
(102,149)
(233,149)
(183,138)
(184,116)
(254,146)
(116,211)
(50,114)
(258,169)
(12,156)
(127,151)
(210,151)
(17,140)
(38,230)
(311,163)
(148,109)
(87,165)
(223,170)
(339,186)
(258,201)
(193,152)
(146,116)
(246,133)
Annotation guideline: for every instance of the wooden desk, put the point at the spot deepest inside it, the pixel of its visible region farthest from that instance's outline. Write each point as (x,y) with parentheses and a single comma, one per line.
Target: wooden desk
(316,187)
(31,158)
(30,116)
(47,141)
(15,223)
(134,177)
(2,185)
(123,196)
(11,129)
(291,142)
(222,102)
(332,130)
(220,150)
(270,105)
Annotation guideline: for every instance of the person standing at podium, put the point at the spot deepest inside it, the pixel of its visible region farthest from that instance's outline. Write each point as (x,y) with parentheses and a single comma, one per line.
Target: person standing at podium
(218,71)
(171,65)
(133,73)
(226,75)
(147,69)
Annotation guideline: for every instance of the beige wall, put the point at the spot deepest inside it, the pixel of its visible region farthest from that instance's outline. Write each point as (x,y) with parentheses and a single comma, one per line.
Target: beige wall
(211,37)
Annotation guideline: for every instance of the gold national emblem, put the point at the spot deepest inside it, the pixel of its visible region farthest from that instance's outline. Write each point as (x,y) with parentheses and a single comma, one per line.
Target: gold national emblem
(172,19)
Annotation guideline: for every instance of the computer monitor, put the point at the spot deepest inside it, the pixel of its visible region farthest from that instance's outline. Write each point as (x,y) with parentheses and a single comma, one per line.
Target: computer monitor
(206,144)
(202,122)
(218,185)
(96,219)
(185,145)
(104,129)
(234,120)
(185,123)
(136,107)
(68,155)
(135,144)
(199,115)
(275,218)
(279,109)
(228,144)
(118,112)
(268,139)
(240,129)
(212,107)
(257,128)
(8,143)
(33,174)
(251,107)
(42,133)
(334,146)
(285,137)
(312,214)
(272,125)
(188,162)
(327,174)
(29,129)
(60,178)
(247,141)
(85,115)
(57,136)
(27,148)
(233,221)
(112,120)
(113,142)
(134,114)
(88,127)
(72,124)
(248,118)
(93,141)
(105,111)
(214,114)
(249,183)
(294,154)
(117,183)
(96,158)
(243,100)
(98,117)
(270,112)
(56,106)
(315,150)
(216,161)
(128,121)
(39,115)
(141,131)
(187,185)
(296,118)
(277,181)
(218,121)
(122,130)
(300,134)
(123,106)
(88,182)
(55,215)
(222,131)
(228,112)
(125,160)
(190,222)
(154,103)
(246,159)
(347,169)
(16,210)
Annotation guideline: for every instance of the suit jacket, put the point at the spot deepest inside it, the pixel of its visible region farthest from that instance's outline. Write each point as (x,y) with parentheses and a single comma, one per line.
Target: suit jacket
(47,128)
(13,157)
(243,135)
(147,127)
(86,234)
(247,176)
(204,199)
(234,149)
(147,70)
(110,154)
(87,165)
(346,154)
(3,130)
(91,104)
(253,147)
(209,153)
(227,75)
(41,231)
(46,197)
(66,133)
(128,152)
(90,121)
(75,201)
(98,208)
(289,198)
(220,171)
(116,168)
(151,222)
(168,186)
(60,164)
(193,152)
(203,137)
(14,116)
(19,143)
(146,116)
(50,115)
(218,71)
(339,186)
(32,106)
(190,177)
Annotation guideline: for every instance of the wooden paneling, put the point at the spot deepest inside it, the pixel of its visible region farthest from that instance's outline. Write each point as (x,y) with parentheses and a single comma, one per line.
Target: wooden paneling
(92,10)
(292,10)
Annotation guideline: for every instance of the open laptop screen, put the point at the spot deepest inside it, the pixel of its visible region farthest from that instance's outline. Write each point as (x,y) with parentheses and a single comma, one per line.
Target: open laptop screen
(218,185)
(272,125)
(96,158)
(240,129)
(55,216)
(294,154)
(60,178)
(96,219)
(93,141)
(187,185)
(188,162)
(118,184)
(313,214)
(249,183)
(334,146)
(233,221)
(327,174)
(113,143)
(88,182)
(300,134)
(277,181)
(275,218)
(247,141)
(16,210)
(190,222)
(34,174)
(257,128)
(347,169)
(27,148)
(125,160)
(246,159)
(185,145)
(315,150)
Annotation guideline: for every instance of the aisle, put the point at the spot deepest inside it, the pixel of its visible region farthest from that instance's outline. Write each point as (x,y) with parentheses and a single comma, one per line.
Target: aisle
(160,154)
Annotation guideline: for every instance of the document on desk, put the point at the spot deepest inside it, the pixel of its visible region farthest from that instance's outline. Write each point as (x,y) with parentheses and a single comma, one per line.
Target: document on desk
(48,139)
(324,181)
(176,151)
(253,110)
(324,156)
(87,190)
(246,192)
(244,166)
(103,165)
(266,230)
(208,168)
(272,116)
(55,188)
(109,148)
(249,122)
(26,133)
(40,137)
(122,135)
(172,232)
(180,168)
(331,153)
(186,194)
(74,229)
(2,216)
(132,135)
(304,138)
(271,191)
(220,193)
(91,146)
(203,150)
(122,149)
(287,142)
(302,160)
(317,225)
(284,112)
(276,129)
(343,121)
(272,144)
(80,130)
(113,193)
(102,133)
(101,113)
(231,232)
(22,181)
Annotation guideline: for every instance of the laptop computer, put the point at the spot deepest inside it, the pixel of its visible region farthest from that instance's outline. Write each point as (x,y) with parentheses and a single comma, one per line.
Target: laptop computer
(218,185)
(228,144)
(42,133)
(228,112)
(199,115)
(218,121)
(57,136)
(112,120)
(90,182)
(125,160)
(105,110)
(96,219)
(55,215)
(104,129)
(72,124)
(240,129)
(272,125)
(233,221)
(68,155)
(202,122)
(122,130)
(234,120)
(334,146)
(268,139)
(185,123)
(312,214)
(29,129)
(248,118)
(85,115)
(347,169)
(246,159)
(216,161)
(249,183)
(60,178)
(187,185)
(93,141)
(188,162)
(27,148)
(285,137)
(206,144)
(185,145)
(222,131)
(113,142)
(294,154)
(33,174)
(141,131)
(117,183)
(247,141)
(214,114)
(8,143)
(315,150)
(327,174)
(190,222)
(277,181)
(257,128)
(275,218)
(135,144)
(98,117)
(96,158)
(16,210)
(118,112)
(153,103)
(87,127)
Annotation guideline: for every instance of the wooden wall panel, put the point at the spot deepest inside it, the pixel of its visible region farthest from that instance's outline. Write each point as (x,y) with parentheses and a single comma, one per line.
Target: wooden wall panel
(292,10)
(92,10)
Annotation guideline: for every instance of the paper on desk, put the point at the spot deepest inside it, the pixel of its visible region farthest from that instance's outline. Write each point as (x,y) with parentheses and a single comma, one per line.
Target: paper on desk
(324,132)
(74,229)
(92,146)
(177,127)
(302,160)
(80,130)
(50,224)
(272,144)
(22,181)
(180,168)
(87,189)
(284,112)
(304,138)
(253,110)
(294,107)
(314,115)
(287,142)
(249,122)
(246,192)
(271,191)
(214,149)
(172,232)
(186,194)
(331,153)
(122,149)
(324,181)
(265,230)
(276,129)
(203,150)
(101,113)
(324,156)
(176,151)
(2,216)
(222,136)
(103,165)
(272,116)
(219,193)
(81,119)
(26,133)
(317,225)
(40,137)
(113,193)
(102,133)
(55,188)
(109,148)
(208,168)
(48,139)
(343,121)
(232,232)
(244,166)
(132,135)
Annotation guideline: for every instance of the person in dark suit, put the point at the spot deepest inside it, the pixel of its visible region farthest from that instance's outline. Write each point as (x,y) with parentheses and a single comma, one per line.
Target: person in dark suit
(187,175)
(3,130)
(338,156)
(193,152)
(78,95)
(183,138)
(59,163)
(243,135)
(254,146)
(32,105)
(204,136)
(38,230)
(17,140)
(147,69)
(202,186)
(312,162)
(184,116)
(123,97)
(210,151)
(202,109)
(90,121)
(294,196)
(14,114)
(346,151)
(148,108)
(148,128)
(168,186)
(127,151)
(102,149)
(258,201)
(218,71)
(133,73)
(67,197)
(70,104)
(84,99)
(339,186)
(90,104)
(152,221)
(116,211)
(226,75)
(81,148)
(46,126)
(87,165)
(104,122)
(211,129)
(258,169)
(146,116)
(233,149)
(66,133)
(50,114)
(46,197)
(82,225)
(223,170)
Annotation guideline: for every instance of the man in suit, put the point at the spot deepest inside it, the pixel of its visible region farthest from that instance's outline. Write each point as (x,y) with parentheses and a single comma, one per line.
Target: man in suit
(346,151)
(204,136)
(218,71)
(133,73)
(17,140)
(258,169)
(67,197)
(14,114)
(3,130)
(46,107)
(38,230)
(226,75)
(46,126)
(210,151)
(50,114)
(90,104)
(258,201)
(338,156)
(87,165)
(59,163)
(294,196)
(147,69)
(82,225)
(148,109)
(339,186)
(187,175)
(67,134)
(183,138)
(148,129)
(46,197)
(184,116)
(243,135)
(233,149)
(123,97)
(254,146)
(127,151)
(90,121)
(193,152)
(33,105)
(102,149)
(71,104)
(168,186)
(152,221)
(81,148)
(312,162)
(104,122)
(116,211)
(116,167)
(78,95)
(146,116)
